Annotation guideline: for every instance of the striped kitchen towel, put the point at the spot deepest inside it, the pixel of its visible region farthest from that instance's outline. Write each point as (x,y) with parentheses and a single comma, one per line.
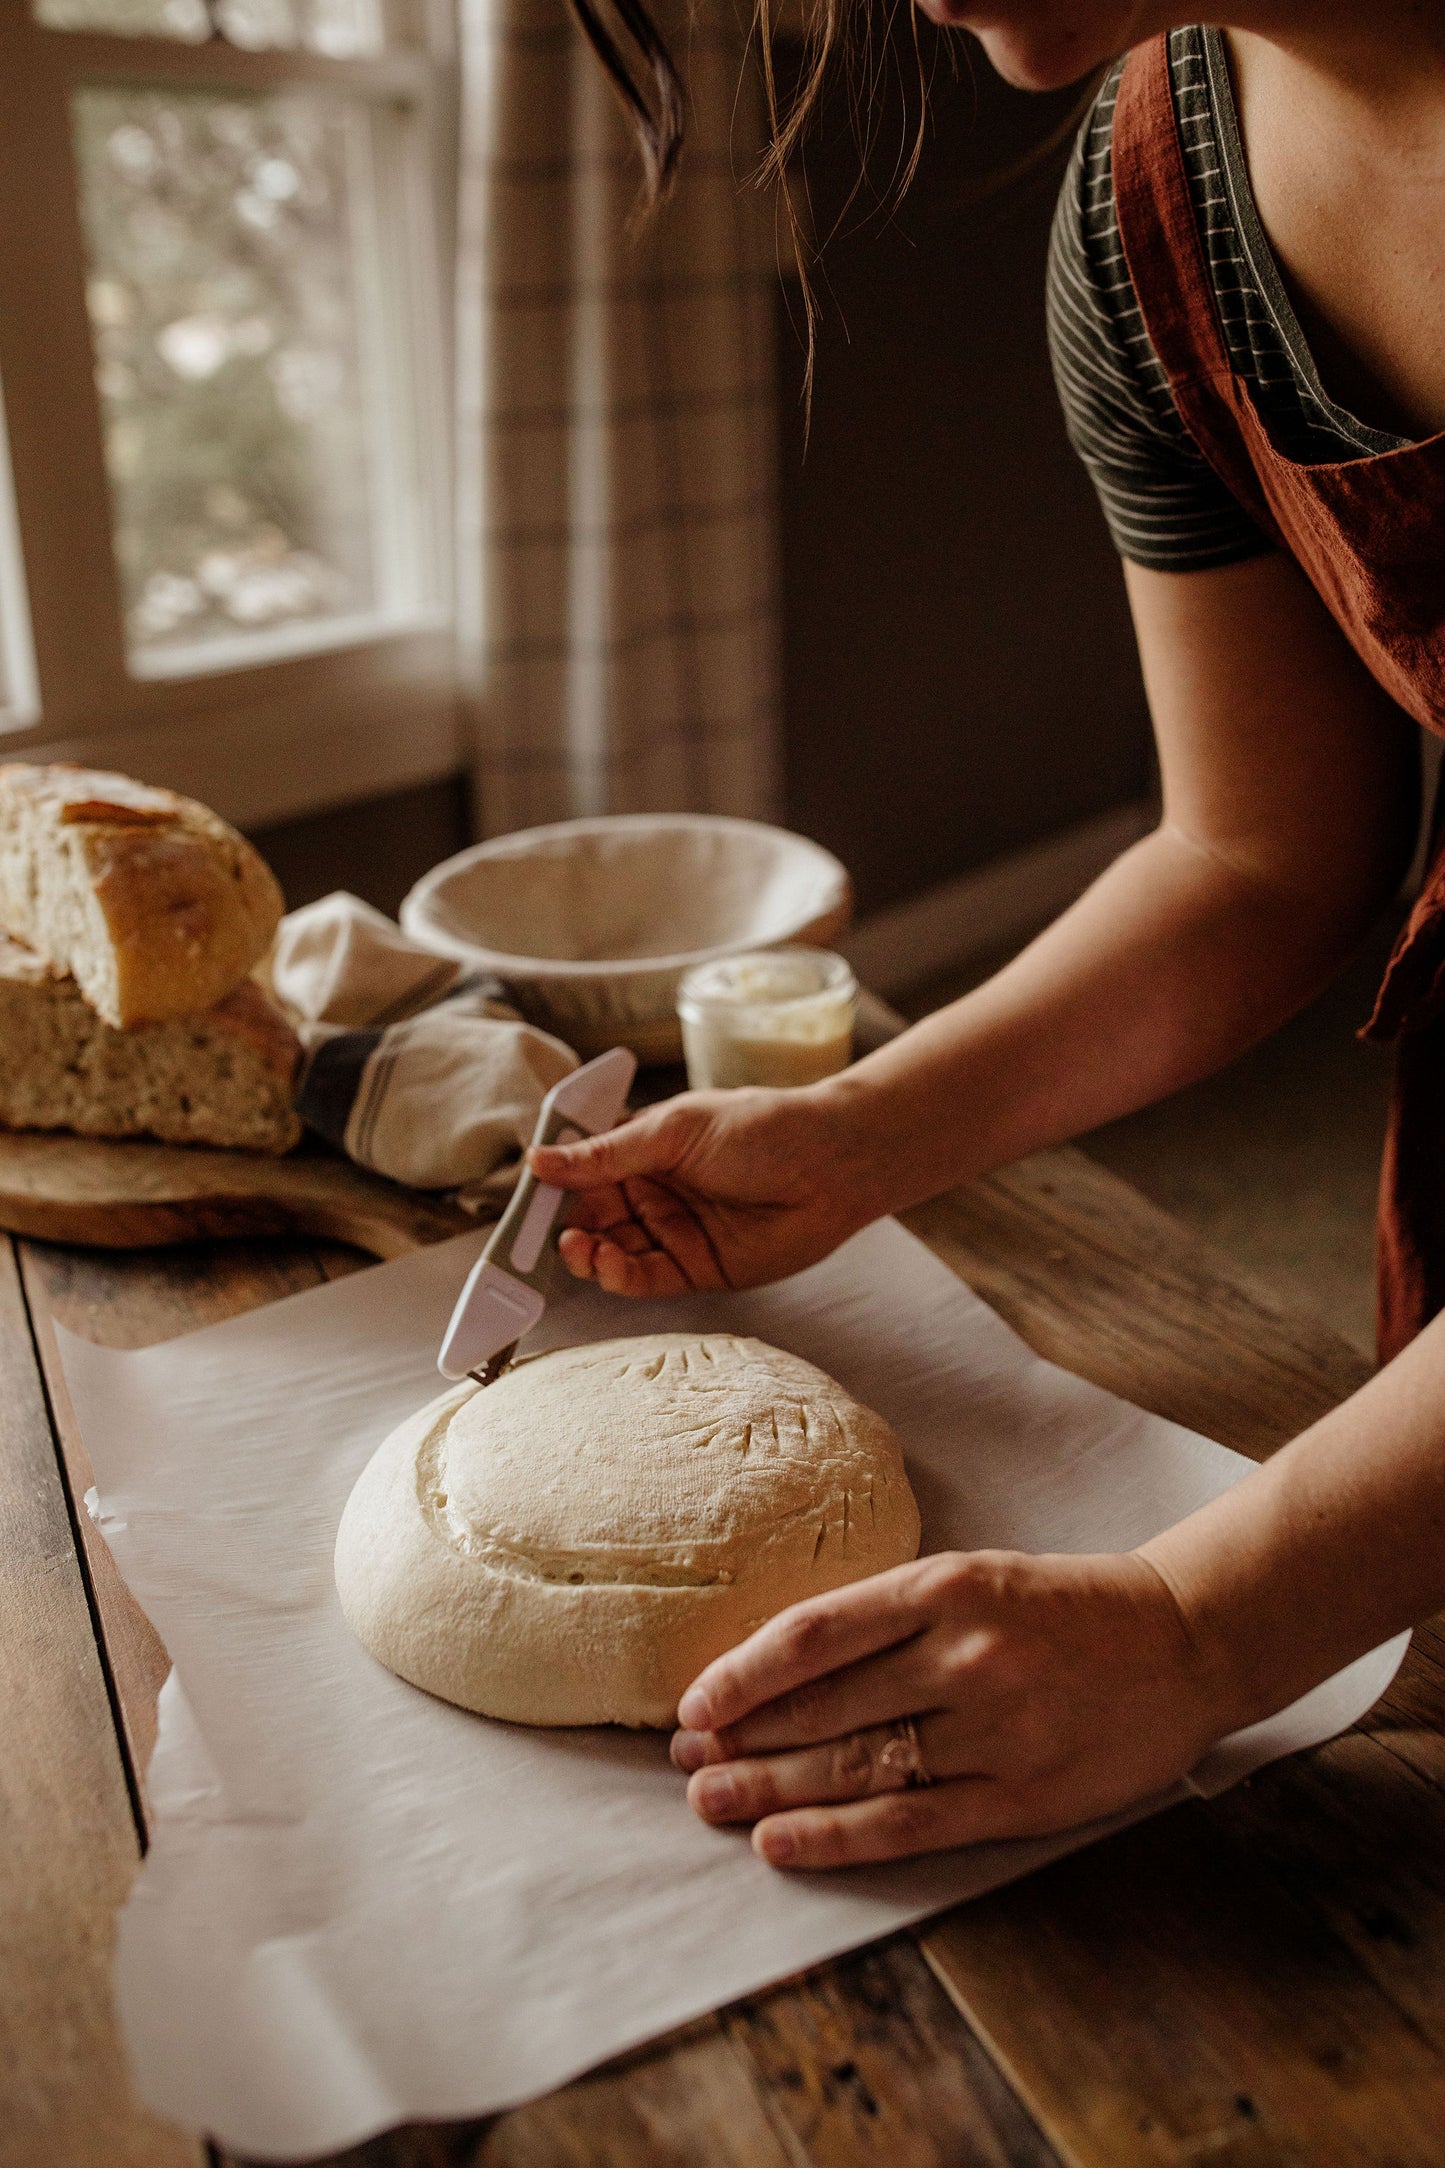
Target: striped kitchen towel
(414,1067)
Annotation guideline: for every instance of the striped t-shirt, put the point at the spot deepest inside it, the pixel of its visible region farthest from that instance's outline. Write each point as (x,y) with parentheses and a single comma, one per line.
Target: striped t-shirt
(1166,507)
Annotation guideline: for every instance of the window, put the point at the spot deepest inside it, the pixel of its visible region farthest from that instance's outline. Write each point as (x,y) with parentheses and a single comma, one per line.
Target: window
(221,311)
(19,704)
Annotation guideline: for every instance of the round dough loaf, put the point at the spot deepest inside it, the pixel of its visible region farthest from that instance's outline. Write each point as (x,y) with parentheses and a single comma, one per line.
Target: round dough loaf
(572,1544)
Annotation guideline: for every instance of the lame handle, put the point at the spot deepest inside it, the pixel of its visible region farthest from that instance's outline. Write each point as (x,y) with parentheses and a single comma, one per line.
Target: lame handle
(519,1240)
(588,1101)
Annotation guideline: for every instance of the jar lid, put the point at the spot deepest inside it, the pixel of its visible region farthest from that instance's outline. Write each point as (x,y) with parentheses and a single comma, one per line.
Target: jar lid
(769,978)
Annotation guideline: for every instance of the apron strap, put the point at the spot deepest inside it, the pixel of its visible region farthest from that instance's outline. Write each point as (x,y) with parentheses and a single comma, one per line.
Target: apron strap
(1158,228)
(1160,237)
(1412,992)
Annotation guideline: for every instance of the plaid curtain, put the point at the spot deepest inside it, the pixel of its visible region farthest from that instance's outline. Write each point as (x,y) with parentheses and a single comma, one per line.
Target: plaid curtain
(616,432)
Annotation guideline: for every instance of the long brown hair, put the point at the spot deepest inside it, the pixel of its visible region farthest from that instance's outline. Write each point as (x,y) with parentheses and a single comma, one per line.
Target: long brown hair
(652,97)
(647,84)
(863,37)
(649,88)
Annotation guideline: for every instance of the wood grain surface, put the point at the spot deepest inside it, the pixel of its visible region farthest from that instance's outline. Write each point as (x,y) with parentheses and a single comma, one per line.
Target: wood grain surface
(1256,1980)
(134,1195)
(157,1297)
(68,1839)
(1098,1279)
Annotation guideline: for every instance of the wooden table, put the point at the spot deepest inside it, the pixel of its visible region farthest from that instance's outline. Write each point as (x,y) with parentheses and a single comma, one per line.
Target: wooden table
(1257,1980)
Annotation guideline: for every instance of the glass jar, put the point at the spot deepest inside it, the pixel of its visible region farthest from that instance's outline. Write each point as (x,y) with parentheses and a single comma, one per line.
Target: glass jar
(774,1016)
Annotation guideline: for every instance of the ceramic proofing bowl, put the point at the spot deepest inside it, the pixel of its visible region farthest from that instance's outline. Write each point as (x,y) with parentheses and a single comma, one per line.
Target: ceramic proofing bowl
(592,923)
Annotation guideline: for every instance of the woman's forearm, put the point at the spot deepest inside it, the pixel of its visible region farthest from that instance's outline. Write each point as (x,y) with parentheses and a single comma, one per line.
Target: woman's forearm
(1290,786)
(1331,1547)
(1170,965)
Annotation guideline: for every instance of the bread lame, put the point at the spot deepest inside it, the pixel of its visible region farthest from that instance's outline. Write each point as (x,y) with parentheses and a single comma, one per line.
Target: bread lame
(505,1293)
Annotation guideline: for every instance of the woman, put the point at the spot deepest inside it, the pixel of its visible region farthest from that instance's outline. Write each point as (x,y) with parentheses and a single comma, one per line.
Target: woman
(1248,312)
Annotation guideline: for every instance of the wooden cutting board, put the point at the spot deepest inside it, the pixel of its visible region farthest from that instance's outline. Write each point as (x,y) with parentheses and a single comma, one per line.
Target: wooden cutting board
(134,1195)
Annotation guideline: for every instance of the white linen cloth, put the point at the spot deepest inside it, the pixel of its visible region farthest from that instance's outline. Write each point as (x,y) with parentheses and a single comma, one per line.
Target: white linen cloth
(617,555)
(362,1906)
(413,1067)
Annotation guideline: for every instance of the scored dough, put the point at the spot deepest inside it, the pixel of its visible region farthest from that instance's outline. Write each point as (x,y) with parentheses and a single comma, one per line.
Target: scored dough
(572,1544)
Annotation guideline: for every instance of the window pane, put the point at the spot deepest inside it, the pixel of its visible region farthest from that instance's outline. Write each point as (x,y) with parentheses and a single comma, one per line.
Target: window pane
(340,27)
(235,377)
(136,18)
(18,701)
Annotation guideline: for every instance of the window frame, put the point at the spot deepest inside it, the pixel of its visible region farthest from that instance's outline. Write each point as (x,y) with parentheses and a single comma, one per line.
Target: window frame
(19,690)
(270,736)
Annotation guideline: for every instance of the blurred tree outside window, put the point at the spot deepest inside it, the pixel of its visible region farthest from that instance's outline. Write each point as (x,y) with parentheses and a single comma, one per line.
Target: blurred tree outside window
(224,267)
(129,18)
(338,27)
(223,301)
(17,655)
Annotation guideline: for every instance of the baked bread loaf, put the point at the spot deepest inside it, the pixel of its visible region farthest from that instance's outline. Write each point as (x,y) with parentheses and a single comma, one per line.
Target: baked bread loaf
(152,903)
(572,1544)
(223,1077)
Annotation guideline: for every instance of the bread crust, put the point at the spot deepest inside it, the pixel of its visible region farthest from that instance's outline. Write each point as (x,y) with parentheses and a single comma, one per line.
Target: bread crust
(585,1570)
(225,1077)
(155,906)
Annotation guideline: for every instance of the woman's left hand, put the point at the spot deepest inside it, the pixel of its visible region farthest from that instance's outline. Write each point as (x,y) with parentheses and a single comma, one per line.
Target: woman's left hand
(1042,1692)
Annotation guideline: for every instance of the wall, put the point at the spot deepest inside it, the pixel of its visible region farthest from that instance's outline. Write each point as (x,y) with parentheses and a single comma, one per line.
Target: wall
(376,847)
(959,674)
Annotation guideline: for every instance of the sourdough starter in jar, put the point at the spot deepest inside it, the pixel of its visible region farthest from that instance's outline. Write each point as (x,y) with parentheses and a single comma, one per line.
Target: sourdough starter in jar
(777,1016)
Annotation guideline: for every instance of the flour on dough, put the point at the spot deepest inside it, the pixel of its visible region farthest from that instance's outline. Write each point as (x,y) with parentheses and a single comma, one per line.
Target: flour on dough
(572,1544)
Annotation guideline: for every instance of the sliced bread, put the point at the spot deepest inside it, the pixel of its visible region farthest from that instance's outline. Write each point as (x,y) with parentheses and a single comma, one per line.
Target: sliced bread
(152,903)
(222,1077)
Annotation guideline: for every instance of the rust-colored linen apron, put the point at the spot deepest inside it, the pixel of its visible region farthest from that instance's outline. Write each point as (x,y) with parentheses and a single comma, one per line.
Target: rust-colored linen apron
(1370,535)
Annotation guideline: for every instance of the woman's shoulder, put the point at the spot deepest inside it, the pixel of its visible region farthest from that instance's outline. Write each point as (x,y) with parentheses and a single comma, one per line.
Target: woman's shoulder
(1164,504)
(1102,352)
(1087,214)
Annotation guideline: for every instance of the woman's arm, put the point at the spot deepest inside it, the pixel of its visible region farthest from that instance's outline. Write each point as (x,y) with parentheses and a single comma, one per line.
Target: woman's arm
(1289,811)
(1335,1544)
(1046,1691)
(1290,802)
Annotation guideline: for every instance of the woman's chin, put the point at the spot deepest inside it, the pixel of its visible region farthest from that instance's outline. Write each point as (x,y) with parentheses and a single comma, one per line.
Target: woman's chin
(1030,64)
(1037,57)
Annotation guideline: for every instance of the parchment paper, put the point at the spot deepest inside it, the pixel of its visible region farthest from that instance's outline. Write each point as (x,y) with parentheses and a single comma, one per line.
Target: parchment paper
(362,1906)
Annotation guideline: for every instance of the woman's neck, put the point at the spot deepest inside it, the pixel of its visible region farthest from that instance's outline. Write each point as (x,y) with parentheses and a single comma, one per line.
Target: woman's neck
(1344,130)
(1378,63)
(1373,51)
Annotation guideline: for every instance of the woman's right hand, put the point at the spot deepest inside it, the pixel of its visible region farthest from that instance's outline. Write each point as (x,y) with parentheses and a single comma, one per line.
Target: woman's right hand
(714,1189)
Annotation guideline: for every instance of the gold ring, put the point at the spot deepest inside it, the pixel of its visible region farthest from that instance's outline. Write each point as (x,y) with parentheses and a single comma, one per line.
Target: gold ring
(902,1757)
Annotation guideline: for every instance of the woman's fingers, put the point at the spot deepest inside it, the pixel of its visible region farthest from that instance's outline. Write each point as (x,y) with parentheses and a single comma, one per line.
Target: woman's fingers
(927,1818)
(878,1689)
(851,1800)
(1044,1691)
(802,1645)
(895,1825)
(647,1144)
(641,1239)
(672,1226)
(599,1211)
(649,1272)
(855,1767)
(619,1264)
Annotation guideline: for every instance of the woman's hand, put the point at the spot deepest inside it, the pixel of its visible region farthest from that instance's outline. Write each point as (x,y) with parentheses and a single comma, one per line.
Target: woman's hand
(1043,1692)
(714,1189)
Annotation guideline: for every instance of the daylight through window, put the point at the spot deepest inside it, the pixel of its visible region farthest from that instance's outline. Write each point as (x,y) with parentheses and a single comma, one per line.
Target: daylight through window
(222,289)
